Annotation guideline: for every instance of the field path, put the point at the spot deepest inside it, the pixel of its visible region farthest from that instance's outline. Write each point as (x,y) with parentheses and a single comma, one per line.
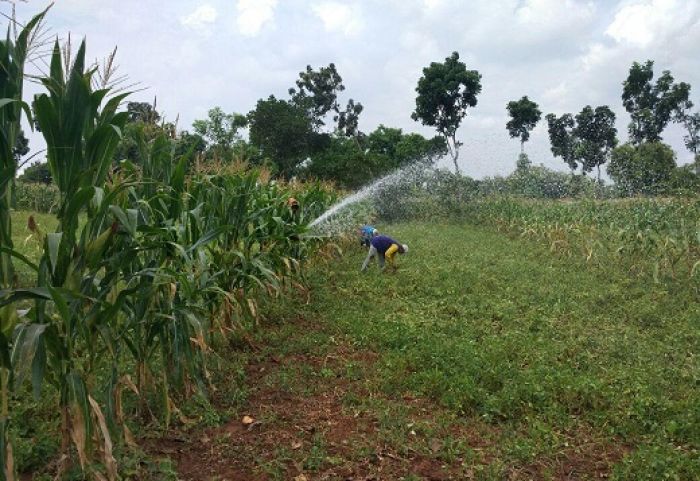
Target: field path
(481,358)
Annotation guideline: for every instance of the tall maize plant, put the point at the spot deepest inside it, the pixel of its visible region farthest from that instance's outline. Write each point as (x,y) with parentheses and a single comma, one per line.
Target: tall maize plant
(13,55)
(139,265)
(72,312)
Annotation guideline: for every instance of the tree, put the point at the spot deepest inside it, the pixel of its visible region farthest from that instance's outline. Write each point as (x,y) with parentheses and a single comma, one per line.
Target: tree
(21,147)
(642,169)
(188,143)
(38,173)
(524,115)
(691,122)
(651,106)
(596,137)
(445,92)
(348,120)
(352,163)
(282,132)
(220,130)
(562,138)
(142,112)
(317,92)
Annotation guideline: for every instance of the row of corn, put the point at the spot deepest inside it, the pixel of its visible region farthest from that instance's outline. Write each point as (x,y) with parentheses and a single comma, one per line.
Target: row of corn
(148,263)
(655,237)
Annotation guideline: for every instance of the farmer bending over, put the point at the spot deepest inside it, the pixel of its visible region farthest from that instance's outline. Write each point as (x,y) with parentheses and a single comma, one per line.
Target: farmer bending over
(384,248)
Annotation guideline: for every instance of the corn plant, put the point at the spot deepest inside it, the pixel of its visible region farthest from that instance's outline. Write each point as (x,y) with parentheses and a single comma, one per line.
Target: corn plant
(13,55)
(71,311)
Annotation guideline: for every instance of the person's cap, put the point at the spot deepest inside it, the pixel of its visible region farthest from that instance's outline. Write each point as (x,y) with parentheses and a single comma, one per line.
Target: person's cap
(375,232)
(405,248)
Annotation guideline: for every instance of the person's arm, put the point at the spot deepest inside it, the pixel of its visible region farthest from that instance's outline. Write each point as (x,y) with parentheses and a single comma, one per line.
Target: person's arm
(370,254)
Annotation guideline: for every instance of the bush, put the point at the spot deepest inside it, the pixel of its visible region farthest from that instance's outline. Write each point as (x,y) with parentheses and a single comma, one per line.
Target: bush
(645,169)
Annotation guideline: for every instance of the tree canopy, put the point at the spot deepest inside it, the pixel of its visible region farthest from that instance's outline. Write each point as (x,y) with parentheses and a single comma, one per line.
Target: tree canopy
(596,135)
(220,130)
(445,92)
(282,133)
(651,105)
(524,116)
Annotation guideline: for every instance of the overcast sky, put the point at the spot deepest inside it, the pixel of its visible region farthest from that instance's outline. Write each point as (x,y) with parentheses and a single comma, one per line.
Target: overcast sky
(564,54)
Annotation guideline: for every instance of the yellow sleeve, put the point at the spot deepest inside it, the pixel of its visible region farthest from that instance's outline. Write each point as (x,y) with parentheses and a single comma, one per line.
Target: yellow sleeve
(391,252)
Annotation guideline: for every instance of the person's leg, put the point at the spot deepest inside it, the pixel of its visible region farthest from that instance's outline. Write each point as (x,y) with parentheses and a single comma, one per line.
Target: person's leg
(371,253)
(380,260)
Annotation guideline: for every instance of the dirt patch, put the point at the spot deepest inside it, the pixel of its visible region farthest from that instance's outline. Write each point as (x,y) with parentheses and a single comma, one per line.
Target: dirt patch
(301,427)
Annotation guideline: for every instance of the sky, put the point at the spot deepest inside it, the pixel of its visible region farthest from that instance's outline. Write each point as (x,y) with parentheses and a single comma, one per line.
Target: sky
(564,54)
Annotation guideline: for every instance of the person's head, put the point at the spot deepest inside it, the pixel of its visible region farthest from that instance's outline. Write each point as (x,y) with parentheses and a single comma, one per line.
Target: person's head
(293,204)
(375,232)
(403,248)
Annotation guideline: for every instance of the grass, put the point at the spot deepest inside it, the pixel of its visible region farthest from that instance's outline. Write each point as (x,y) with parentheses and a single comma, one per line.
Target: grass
(544,349)
(554,366)
(27,244)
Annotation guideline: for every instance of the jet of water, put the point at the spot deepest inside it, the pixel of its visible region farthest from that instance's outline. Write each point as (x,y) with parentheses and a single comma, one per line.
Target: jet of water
(336,218)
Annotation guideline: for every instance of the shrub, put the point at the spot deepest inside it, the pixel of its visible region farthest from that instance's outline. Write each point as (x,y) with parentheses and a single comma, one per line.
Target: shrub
(645,169)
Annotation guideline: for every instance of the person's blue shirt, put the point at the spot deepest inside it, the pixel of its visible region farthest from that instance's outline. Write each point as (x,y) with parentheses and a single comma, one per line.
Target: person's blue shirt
(367,231)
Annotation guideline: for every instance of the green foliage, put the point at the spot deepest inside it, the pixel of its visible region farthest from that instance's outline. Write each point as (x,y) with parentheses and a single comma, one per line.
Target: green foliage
(445,92)
(524,115)
(691,123)
(37,173)
(352,163)
(651,106)
(13,55)
(570,355)
(282,132)
(21,147)
(562,138)
(317,95)
(221,131)
(585,140)
(644,169)
(142,112)
(597,136)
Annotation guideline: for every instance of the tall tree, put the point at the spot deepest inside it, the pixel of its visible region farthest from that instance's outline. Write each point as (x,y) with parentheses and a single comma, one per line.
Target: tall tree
(317,92)
(597,137)
(651,105)
(445,92)
(143,112)
(562,137)
(282,132)
(21,147)
(220,130)
(691,123)
(524,115)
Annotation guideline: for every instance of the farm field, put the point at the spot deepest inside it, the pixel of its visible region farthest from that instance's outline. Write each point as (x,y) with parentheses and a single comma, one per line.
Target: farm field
(483,357)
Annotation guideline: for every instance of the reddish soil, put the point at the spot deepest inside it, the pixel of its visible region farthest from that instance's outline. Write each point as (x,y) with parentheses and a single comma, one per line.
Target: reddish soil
(308,432)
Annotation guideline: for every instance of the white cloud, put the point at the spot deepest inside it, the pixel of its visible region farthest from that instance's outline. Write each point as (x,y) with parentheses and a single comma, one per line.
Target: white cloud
(253,15)
(339,17)
(643,23)
(201,19)
(554,14)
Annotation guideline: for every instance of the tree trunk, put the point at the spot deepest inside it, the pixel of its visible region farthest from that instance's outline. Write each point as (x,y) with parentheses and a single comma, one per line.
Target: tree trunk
(522,146)
(453,151)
